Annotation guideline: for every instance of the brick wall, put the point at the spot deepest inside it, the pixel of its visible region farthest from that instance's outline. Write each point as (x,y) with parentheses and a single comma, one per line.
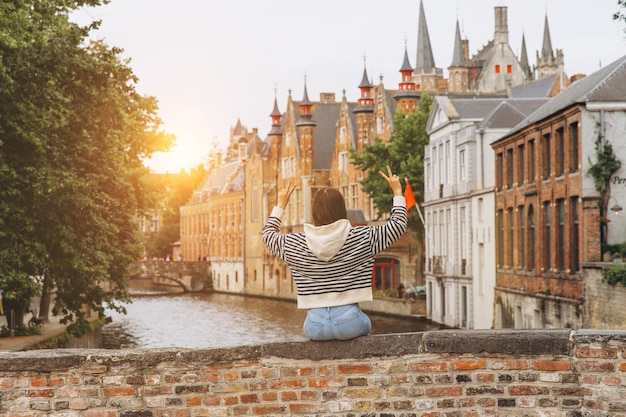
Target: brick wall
(432,374)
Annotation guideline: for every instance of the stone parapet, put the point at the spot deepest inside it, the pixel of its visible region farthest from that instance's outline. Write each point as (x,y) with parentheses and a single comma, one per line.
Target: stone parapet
(438,373)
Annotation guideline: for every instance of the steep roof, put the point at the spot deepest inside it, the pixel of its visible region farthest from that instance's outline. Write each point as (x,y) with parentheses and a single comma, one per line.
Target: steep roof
(510,112)
(490,113)
(458,54)
(352,123)
(425,57)
(326,116)
(539,88)
(608,84)
(223,179)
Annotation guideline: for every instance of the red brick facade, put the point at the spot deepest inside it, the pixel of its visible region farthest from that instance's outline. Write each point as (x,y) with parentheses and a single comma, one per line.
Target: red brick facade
(545,229)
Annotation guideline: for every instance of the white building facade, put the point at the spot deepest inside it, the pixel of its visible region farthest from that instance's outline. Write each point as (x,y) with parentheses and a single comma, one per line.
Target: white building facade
(459,206)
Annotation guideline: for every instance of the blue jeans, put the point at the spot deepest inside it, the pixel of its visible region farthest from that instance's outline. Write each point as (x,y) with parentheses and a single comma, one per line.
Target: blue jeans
(341,322)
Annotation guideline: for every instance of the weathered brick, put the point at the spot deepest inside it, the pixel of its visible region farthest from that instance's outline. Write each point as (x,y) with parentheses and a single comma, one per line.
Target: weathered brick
(595,366)
(551,365)
(355,369)
(269,396)
(230,376)
(269,409)
(40,393)
(100,413)
(528,390)
(517,364)
(309,395)
(357,382)
(326,382)
(249,398)
(362,393)
(287,384)
(428,366)
(443,391)
(306,408)
(193,401)
(230,400)
(38,382)
(269,373)
(288,396)
(468,364)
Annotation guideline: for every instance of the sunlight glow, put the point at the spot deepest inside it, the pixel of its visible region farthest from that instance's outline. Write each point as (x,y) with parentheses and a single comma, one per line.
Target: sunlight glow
(188,152)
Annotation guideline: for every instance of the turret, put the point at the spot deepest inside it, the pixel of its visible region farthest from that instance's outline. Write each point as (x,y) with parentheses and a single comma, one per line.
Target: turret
(407,95)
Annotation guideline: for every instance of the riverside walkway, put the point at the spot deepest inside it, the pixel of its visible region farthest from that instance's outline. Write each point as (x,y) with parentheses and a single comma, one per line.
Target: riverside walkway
(19,343)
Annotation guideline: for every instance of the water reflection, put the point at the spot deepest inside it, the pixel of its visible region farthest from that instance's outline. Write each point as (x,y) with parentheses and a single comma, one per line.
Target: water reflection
(217,320)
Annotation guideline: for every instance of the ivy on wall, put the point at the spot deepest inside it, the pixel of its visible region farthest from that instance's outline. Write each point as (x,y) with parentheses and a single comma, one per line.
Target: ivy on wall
(606,165)
(602,171)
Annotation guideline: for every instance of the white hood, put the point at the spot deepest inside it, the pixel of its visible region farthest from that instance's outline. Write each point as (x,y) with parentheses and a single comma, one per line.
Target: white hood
(325,241)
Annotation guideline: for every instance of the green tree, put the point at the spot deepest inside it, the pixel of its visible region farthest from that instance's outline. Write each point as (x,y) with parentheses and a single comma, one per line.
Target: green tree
(73,136)
(620,15)
(404,153)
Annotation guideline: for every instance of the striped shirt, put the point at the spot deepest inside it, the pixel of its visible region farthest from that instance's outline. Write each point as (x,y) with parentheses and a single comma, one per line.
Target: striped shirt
(346,278)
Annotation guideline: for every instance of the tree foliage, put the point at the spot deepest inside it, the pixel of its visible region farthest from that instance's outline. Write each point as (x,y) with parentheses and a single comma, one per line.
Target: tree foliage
(73,134)
(404,153)
(620,14)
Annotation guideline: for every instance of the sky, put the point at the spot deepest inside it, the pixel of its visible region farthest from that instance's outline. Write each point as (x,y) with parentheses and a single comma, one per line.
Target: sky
(210,63)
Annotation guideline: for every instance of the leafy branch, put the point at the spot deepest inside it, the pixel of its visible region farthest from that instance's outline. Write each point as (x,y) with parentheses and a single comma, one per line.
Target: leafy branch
(604,168)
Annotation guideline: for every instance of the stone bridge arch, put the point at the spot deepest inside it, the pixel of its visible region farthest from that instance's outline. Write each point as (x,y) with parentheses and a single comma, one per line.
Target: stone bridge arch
(184,276)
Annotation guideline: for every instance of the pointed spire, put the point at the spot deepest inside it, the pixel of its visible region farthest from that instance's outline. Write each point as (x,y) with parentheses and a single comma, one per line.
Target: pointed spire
(407,95)
(365,82)
(424,50)
(365,103)
(546,49)
(276,119)
(406,65)
(305,109)
(524,59)
(458,54)
(305,97)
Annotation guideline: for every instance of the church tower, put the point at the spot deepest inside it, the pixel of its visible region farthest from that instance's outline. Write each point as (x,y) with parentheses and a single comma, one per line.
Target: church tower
(547,62)
(426,76)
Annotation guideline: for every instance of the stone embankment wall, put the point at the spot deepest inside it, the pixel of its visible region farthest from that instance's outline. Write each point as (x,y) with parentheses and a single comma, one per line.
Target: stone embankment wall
(605,304)
(447,373)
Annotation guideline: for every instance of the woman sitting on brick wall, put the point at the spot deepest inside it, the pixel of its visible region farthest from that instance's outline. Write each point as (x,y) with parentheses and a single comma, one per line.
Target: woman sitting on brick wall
(331,261)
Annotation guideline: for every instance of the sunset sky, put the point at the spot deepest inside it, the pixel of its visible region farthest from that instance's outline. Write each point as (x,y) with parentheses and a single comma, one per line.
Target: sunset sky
(210,63)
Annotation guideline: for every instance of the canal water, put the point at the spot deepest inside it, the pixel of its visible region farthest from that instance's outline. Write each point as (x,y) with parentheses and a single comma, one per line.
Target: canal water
(214,320)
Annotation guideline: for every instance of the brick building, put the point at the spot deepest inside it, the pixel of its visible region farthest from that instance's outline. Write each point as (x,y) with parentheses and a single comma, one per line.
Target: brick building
(550,217)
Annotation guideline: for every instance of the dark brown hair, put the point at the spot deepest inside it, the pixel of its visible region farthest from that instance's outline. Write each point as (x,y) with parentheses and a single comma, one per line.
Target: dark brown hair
(328,207)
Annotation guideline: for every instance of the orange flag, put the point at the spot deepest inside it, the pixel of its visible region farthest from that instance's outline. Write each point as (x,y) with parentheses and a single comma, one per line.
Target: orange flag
(408,195)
